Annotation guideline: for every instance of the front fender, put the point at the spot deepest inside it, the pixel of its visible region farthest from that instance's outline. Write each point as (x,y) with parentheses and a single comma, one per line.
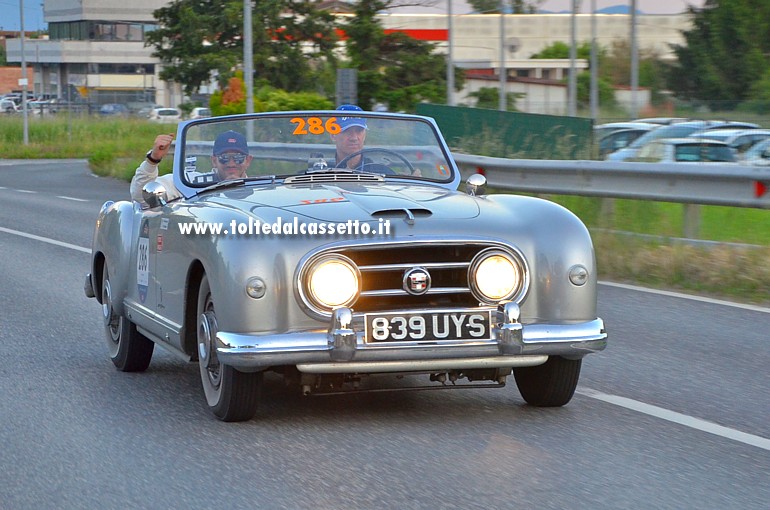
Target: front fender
(111,249)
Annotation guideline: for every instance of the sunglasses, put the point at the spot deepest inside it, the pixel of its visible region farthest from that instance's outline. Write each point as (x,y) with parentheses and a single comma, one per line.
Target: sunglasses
(226,158)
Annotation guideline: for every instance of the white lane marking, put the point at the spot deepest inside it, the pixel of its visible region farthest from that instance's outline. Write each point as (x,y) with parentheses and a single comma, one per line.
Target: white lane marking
(72,198)
(681,419)
(45,240)
(25,191)
(753,308)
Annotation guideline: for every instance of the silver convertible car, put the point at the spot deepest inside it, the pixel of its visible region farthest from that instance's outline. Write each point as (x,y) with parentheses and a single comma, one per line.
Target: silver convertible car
(343,277)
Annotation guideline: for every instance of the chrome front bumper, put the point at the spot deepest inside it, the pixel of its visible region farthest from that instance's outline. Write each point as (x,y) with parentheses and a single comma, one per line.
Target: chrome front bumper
(341,349)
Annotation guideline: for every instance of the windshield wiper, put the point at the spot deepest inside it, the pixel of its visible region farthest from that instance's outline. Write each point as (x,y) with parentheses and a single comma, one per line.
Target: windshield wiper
(231,183)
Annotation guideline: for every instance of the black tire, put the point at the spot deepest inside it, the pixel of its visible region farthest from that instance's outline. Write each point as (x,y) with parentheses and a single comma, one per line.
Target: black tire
(130,351)
(230,394)
(551,384)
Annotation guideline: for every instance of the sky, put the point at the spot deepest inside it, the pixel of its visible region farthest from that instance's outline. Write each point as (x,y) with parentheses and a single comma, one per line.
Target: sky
(33,9)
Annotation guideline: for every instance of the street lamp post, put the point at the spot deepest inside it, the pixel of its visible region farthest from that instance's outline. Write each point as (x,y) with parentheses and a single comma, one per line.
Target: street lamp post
(501,100)
(23,80)
(450,69)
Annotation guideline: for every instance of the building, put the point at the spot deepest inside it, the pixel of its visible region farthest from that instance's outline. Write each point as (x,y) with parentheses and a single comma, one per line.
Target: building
(95,53)
(96,49)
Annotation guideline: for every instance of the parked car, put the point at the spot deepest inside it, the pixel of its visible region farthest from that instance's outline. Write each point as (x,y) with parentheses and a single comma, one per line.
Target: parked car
(116,109)
(758,154)
(622,138)
(686,150)
(200,113)
(8,106)
(663,121)
(602,130)
(740,140)
(165,115)
(329,275)
(678,130)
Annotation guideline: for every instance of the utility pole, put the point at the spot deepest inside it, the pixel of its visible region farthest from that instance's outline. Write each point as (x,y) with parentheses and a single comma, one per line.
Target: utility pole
(450,68)
(501,102)
(634,63)
(248,56)
(23,81)
(572,83)
(594,93)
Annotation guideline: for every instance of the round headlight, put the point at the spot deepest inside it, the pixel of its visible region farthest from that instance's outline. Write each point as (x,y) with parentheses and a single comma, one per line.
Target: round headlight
(495,276)
(333,281)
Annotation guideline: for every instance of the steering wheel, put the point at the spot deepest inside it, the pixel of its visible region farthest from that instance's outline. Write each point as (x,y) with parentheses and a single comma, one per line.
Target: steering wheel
(344,161)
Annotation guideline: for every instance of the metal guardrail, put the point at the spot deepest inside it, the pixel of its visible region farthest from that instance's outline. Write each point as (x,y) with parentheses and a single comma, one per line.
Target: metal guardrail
(688,183)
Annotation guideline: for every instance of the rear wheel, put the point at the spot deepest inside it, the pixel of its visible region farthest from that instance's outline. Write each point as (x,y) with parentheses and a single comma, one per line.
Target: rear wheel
(129,350)
(551,384)
(231,395)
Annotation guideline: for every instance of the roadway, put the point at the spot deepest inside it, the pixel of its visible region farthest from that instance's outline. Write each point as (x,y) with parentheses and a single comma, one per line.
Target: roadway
(674,414)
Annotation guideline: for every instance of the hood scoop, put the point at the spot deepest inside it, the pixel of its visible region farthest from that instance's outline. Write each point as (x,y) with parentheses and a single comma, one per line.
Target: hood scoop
(408,214)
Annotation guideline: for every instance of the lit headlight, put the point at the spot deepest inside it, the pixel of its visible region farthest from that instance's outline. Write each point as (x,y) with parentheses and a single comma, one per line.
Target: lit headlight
(495,276)
(333,281)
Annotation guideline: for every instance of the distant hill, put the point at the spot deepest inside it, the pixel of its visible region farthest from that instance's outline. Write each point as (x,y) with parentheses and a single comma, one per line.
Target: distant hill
(613,9)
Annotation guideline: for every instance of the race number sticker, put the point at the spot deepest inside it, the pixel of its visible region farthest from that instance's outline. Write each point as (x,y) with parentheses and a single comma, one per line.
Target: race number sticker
(143,261)
(315,126)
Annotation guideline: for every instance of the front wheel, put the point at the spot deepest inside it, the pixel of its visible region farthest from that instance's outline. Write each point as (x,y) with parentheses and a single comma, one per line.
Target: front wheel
(130,351)
(231,395)
(551,384)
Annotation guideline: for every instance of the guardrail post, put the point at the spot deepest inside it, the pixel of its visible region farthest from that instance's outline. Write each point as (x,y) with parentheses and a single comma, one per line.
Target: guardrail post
(691,221)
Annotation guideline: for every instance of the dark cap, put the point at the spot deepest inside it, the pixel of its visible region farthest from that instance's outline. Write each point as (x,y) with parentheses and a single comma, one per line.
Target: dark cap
(348,122)
(230,141)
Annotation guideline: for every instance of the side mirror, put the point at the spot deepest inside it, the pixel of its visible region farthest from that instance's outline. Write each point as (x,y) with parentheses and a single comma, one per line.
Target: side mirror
(154,193)
(476,185)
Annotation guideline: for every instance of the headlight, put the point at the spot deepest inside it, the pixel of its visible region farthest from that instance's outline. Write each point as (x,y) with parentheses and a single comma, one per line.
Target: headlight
(495,275)
(333,281)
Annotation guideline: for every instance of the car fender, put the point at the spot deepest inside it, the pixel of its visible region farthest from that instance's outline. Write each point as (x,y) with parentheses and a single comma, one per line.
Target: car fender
(112,242)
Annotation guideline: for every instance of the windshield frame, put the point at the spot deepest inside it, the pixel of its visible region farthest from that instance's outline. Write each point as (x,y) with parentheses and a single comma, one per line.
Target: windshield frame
(437,144)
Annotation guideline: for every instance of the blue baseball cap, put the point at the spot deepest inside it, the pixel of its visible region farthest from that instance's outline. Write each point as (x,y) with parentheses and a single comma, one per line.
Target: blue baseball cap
(230,141)
(348,122)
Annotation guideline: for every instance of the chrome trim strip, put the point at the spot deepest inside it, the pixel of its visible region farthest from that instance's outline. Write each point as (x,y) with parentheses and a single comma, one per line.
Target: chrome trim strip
(402,267)
(422,365)
(148,314)
(400,292)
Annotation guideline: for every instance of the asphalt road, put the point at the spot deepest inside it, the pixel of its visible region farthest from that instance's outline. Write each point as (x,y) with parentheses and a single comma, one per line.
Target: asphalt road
(674,414)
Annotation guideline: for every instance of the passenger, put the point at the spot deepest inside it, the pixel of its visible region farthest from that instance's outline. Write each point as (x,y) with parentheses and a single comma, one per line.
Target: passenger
(230,160)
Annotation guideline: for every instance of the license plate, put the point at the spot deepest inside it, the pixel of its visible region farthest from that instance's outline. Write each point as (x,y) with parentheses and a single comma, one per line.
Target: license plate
(428,326)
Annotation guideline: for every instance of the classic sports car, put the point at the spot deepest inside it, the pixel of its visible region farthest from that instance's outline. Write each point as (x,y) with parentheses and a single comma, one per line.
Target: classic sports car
(331,275)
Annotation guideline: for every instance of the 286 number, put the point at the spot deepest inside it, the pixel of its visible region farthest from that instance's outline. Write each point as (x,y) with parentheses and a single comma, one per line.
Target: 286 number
(315,126)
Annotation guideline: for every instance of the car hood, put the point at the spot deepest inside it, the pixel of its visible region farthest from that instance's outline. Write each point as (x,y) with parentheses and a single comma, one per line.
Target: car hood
(340,202)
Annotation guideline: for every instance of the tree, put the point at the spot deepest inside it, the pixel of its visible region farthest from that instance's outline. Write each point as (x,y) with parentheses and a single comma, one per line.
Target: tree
(725,53)
(393,68)
(293,42)
(489,97)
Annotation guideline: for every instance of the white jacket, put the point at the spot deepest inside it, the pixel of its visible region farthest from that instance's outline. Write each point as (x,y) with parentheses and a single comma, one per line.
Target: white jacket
(147,172)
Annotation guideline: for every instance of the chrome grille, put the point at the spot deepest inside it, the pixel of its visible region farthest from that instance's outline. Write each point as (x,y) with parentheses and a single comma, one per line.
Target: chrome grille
(382,268)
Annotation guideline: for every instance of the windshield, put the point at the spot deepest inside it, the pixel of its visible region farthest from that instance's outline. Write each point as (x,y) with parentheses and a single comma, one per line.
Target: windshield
(297,143)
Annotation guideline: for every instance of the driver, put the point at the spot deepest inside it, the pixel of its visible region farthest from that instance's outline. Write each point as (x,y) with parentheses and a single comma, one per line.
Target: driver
(230,160)
(351,138)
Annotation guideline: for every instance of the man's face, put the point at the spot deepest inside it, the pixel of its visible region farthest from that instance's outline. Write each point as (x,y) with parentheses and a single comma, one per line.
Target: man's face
(231,165)
(349,141)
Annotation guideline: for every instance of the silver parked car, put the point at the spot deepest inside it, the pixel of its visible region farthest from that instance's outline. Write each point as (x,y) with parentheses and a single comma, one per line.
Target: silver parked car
(686,150)
(334,276)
